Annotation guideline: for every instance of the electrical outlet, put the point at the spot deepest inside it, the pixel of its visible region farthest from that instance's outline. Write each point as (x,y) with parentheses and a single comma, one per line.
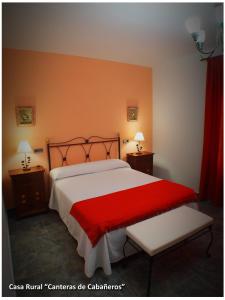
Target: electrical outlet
(125,141)
(38,150)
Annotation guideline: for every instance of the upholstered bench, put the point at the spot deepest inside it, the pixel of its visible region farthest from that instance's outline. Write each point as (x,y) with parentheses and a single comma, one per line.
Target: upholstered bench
(168,231)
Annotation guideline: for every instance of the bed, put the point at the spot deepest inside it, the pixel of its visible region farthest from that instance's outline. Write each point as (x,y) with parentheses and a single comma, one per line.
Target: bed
(79,182)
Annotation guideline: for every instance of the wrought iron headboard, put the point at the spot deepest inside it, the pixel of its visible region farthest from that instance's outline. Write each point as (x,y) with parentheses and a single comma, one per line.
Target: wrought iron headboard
(81,142)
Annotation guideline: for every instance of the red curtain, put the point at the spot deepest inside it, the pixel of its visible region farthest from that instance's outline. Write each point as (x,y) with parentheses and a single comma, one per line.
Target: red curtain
(211,183)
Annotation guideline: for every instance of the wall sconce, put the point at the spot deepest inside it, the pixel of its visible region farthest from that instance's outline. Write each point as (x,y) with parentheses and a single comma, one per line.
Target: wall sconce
(193,26)
(139,137)
(24,147)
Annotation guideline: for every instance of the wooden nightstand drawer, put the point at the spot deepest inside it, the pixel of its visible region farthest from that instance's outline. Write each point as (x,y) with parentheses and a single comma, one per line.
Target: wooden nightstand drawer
(25,178)
(29,191)
(142,162)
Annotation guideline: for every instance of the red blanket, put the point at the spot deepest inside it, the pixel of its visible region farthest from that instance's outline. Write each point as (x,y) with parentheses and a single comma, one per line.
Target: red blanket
(108,212)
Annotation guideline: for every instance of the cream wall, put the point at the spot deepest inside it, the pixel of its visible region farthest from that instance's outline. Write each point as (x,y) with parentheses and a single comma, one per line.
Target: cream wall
(178,117)
(73,96)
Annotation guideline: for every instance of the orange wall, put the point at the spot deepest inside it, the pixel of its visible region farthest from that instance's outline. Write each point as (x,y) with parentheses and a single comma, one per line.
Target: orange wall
(73,96)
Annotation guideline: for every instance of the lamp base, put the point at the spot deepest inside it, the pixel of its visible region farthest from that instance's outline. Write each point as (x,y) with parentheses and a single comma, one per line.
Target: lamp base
(138,153)
(26,169)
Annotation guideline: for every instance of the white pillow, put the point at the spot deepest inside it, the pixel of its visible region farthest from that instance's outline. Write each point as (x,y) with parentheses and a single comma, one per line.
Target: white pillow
(87,168)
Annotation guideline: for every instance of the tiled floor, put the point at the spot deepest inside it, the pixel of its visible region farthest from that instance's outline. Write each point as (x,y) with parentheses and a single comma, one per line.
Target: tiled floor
(44,252)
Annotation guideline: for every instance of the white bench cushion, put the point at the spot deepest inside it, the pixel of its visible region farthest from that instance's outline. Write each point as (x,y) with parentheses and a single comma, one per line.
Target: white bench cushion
(165,230)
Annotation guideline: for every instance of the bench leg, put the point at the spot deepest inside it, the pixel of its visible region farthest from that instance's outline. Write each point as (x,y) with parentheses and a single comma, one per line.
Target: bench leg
(210,242)
(149,276)
(124,254)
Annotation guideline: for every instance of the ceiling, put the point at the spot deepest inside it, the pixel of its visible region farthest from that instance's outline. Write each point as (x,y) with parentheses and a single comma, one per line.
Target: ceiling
(136,33)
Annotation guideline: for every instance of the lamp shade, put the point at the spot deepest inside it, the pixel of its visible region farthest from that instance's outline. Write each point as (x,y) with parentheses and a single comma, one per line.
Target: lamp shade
(201,36)
(193,24)
(139,137)
(24,147)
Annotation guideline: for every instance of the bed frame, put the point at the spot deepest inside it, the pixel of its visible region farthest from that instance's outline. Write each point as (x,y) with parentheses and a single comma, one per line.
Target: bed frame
(86,145)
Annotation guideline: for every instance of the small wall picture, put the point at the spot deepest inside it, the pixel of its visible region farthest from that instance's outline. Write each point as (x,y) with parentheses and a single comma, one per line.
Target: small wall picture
(25,116)
(132,113)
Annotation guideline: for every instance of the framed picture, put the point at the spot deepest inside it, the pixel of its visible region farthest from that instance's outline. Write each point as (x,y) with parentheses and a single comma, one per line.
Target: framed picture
(132,114)
(25,116)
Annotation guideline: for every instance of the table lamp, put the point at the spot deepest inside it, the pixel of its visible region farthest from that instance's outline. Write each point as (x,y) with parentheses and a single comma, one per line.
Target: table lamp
(24,147)
(139,137)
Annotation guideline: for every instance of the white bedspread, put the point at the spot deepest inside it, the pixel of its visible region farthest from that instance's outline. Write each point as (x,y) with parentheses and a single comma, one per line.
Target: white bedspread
(67,191)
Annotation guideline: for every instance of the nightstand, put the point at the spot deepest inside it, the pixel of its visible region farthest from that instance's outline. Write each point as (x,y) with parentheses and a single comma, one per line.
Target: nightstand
(29,191)
(142,162)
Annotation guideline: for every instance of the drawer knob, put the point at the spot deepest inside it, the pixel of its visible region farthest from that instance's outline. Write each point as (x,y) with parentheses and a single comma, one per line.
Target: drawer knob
(37,198)
(23,196)
(37,193)
(23,201)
